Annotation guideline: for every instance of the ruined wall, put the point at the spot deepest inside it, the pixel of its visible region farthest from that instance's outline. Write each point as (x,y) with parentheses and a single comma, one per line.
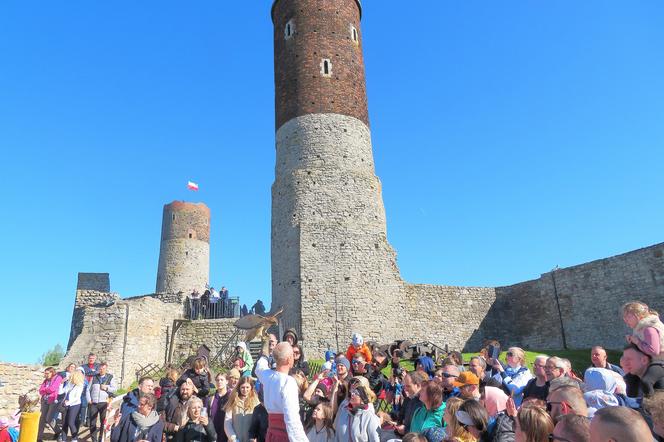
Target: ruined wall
(84,299)
(210,332)
(99,282)
(127,334)
(15,380)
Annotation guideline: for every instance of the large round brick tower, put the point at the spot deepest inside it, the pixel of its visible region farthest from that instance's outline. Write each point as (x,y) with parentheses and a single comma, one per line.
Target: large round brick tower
(331,262)
(184,256)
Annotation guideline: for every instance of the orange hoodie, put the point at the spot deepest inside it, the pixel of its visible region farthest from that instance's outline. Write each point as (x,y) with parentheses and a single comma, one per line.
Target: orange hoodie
(363,350)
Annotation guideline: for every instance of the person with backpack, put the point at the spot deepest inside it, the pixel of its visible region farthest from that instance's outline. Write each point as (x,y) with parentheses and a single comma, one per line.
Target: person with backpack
(167,388)
(102,387)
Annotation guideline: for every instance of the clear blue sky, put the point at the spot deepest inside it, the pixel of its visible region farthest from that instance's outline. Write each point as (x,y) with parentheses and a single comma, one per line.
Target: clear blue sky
(509,139)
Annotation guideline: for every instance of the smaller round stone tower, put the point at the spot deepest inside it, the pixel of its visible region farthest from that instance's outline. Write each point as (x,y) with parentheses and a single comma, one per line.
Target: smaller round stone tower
(184,256)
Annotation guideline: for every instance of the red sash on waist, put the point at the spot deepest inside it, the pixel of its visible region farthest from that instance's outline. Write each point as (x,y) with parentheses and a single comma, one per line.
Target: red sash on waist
(276,429)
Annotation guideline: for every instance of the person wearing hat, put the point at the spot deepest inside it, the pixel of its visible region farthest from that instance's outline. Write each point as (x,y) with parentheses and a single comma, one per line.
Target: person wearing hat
(319,388)
(290,336)
(474,418)
(233,377)
(358,346)
(469,385)
(430,414)
(343,368)
(244,354)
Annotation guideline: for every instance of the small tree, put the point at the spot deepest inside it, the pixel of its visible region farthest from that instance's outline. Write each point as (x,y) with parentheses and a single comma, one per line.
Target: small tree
(53,356)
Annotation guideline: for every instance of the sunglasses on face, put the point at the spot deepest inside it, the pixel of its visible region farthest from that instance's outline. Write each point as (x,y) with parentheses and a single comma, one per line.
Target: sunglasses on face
(553,437)
(510,354)
(448,375)
(549,405)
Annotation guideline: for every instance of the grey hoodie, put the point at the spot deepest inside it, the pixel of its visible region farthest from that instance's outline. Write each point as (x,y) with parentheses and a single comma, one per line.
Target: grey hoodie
(360,426)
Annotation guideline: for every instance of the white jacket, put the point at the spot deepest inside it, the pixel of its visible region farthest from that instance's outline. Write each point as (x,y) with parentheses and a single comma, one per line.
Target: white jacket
(73,394)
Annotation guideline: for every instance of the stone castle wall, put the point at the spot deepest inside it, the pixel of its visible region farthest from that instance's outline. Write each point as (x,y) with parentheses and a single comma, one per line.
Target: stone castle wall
(210,332)
(447,315)
(127,334)
(84,299)
(526,314)
(15,380)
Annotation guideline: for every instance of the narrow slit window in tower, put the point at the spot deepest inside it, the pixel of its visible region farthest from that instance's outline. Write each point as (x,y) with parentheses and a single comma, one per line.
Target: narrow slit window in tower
(353,33)
(326,67)
(289,29)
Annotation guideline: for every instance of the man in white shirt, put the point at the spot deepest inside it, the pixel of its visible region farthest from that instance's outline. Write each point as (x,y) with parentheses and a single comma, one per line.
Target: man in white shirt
(280,396)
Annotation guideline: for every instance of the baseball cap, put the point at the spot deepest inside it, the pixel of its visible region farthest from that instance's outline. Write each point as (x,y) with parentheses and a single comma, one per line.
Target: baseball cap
(466,378)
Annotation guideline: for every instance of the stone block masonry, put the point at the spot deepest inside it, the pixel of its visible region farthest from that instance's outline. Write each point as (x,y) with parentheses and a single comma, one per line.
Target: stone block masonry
(127,334)
(17,379)
(99,282)
(210,332)
(184,255)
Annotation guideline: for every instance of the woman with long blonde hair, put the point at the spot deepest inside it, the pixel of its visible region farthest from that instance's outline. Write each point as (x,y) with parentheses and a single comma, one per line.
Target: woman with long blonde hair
(72,403)
(647,328)
(239,410)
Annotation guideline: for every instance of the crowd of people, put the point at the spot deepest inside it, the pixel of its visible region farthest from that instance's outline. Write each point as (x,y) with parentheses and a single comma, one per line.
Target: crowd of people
(365,394)
(214,304)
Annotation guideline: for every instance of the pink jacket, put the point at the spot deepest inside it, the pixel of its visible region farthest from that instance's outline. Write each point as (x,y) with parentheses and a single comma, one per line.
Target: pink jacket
(49,389)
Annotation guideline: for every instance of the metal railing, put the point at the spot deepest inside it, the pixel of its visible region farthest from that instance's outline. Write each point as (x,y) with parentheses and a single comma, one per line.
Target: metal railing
(197,308)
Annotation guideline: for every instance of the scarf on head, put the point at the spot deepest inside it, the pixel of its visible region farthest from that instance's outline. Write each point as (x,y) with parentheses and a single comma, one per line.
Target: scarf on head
(495,400)
(145,422)
(599,379)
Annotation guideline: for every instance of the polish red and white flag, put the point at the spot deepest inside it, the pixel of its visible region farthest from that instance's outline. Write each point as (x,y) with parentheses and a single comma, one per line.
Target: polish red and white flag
(191,185)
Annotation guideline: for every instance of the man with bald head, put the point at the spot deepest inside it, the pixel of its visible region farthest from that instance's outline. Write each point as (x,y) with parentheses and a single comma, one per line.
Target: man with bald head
(280,394)
(599,359)
(619,424)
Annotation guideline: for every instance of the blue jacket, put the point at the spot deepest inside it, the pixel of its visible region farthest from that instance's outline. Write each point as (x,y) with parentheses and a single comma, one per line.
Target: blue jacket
(130,402)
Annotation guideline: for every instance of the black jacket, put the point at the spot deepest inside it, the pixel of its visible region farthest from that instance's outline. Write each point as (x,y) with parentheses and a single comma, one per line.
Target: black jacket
(259,422)
(201,381)
(196,433)
(409,407)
